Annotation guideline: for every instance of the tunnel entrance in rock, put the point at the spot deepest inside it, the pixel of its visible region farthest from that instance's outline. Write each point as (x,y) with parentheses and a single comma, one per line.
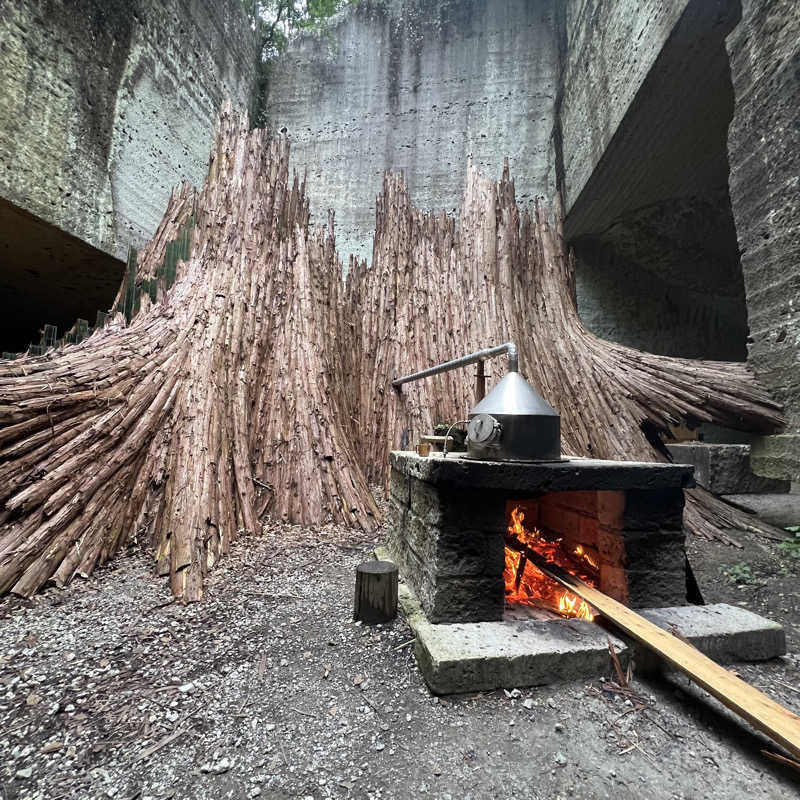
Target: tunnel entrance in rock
(48,276)
(653,232)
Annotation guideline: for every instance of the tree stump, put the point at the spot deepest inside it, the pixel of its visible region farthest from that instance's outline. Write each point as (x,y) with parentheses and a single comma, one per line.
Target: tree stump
(376,592)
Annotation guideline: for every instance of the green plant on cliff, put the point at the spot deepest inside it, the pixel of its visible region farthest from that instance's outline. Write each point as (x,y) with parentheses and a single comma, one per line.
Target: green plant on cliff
(275,22)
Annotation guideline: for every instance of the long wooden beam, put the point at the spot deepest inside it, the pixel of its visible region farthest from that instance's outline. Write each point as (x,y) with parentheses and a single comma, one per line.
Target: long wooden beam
(762,712)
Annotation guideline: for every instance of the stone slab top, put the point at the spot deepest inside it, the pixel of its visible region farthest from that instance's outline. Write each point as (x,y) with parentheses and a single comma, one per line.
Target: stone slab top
(569,474)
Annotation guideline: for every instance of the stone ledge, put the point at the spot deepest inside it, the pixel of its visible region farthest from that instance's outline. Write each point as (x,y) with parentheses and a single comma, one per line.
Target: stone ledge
(725,468)
(723,632)
(530,478)
(777,456)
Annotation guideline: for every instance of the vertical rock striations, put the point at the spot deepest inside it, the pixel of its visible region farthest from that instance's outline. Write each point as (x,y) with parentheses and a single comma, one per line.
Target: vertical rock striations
(764,148)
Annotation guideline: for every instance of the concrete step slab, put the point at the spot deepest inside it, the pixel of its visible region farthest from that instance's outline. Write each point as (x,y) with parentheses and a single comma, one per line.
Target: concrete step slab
(723,632)
(481,656)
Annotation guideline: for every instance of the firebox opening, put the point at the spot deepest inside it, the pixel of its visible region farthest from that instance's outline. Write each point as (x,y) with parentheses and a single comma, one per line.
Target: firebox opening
(551,526)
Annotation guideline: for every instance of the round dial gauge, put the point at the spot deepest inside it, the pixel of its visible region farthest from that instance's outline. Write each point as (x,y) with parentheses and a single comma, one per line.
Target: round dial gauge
(484,429)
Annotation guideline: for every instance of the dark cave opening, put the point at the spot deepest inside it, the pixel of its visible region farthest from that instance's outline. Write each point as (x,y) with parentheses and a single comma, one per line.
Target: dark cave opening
(49,277)
(653,232)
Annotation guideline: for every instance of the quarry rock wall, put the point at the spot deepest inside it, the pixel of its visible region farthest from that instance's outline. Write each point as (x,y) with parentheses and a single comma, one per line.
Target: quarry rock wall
(764,147)
(105,105)
(609,51)
(671,127)
(647,99)
(553,85)
(626,107)
(418,86)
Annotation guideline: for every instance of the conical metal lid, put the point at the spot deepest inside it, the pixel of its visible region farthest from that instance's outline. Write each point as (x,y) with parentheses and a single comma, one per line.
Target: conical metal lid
(513,395)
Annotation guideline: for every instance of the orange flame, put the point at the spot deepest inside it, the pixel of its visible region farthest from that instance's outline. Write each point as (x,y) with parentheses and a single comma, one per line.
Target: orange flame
(579,551)
(533,587)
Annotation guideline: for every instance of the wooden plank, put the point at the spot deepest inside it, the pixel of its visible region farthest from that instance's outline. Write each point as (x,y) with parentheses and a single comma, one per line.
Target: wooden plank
(760,711)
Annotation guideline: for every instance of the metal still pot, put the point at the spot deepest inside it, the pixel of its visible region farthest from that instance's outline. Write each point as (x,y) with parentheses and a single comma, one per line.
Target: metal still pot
(512,423)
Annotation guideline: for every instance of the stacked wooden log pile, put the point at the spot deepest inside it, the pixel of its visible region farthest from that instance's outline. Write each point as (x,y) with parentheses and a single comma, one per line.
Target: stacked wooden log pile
(220,400)
(258,382)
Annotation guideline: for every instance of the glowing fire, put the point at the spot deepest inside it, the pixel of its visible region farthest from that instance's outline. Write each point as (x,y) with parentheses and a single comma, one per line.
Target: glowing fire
(532,586)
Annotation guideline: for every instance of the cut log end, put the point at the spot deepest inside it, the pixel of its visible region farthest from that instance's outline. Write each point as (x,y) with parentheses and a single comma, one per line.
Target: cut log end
(376,592)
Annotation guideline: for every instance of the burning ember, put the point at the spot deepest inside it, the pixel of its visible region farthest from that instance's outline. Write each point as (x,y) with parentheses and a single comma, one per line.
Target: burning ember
(530,585)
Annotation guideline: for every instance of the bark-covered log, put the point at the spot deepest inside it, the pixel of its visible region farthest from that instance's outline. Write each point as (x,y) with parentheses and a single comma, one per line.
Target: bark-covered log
(259,382)
(375,599)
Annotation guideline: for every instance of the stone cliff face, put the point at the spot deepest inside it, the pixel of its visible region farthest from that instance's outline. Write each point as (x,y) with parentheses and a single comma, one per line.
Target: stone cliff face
(62,71)
(626,108)
(647,99)
(574,93)
(419,86)
(609,50)
(764,147)
(106,104)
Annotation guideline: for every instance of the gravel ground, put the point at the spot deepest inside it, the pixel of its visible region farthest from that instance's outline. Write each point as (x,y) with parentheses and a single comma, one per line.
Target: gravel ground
(268,689)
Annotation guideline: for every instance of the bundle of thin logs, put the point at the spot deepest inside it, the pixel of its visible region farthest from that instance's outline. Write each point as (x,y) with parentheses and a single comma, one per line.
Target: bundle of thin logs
(259,382)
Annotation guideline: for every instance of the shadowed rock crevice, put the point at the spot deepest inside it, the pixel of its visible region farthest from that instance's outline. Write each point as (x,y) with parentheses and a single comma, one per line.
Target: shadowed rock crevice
(48,277)
(652,227)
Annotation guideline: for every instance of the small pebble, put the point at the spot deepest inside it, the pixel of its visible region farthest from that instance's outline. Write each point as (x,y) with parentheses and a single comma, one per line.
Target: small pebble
(218,767)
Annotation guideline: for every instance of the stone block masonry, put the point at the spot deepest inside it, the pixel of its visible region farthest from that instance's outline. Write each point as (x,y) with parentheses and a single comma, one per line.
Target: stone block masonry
(453,549)
(448,518)
(514,652)
(725,468)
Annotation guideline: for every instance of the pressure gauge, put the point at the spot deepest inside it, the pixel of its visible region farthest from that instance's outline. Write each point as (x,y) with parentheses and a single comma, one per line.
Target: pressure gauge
(484,429)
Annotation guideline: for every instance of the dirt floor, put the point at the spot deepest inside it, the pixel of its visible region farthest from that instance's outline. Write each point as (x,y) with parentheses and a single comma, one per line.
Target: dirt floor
(268,689)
